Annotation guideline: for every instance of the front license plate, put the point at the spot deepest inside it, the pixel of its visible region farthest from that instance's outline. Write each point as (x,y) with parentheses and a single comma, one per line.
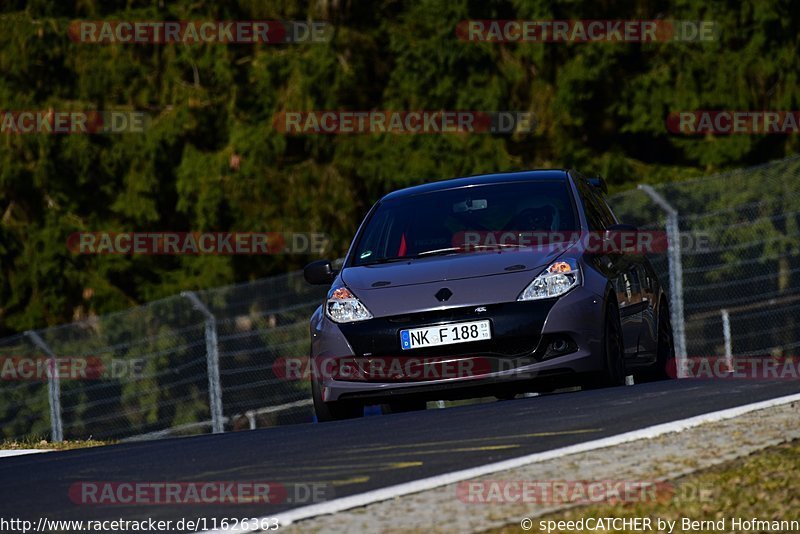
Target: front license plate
(446,334)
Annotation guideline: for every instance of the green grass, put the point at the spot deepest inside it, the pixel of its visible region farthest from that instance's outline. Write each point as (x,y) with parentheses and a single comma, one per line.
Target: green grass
(39,443)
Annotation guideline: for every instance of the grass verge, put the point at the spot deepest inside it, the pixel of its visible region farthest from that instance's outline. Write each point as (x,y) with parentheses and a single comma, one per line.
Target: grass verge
(38,443)
(764,485)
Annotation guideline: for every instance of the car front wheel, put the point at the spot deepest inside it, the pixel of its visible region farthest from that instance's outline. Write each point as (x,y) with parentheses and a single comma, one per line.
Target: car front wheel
(613,373)
(333,410)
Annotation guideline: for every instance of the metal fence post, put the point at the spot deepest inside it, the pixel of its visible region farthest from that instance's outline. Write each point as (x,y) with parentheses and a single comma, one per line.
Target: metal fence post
(53,387)
(726,334)
(212,361)
(251,418)
(675,277)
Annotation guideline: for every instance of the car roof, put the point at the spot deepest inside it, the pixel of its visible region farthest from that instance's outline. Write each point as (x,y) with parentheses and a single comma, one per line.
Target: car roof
(481,179)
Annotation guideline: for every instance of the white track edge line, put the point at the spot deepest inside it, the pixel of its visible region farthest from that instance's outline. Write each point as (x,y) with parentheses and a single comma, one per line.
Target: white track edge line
(423,484)
(11,453)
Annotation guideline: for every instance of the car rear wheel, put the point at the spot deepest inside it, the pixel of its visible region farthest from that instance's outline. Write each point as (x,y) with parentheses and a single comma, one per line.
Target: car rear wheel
(613,373)
(664,368)
(334,410)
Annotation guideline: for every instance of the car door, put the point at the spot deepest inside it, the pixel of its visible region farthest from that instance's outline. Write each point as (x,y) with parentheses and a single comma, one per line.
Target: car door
(648,336)
(642,301)
(622,269)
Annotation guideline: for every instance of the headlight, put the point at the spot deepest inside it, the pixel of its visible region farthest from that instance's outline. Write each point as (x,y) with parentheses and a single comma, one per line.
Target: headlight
(344,307)
(556,280)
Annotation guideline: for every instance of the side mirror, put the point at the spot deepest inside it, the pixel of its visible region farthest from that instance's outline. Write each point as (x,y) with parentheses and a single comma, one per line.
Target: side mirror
(599,183)
(622,239)
(319,272)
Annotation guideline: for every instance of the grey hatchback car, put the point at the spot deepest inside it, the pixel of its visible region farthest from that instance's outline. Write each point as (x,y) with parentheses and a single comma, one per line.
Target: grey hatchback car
(489,285)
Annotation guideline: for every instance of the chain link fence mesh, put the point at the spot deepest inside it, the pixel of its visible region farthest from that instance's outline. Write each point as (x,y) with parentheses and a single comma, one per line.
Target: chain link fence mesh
(24,404)
(740,253)
(148,367)
(143,373)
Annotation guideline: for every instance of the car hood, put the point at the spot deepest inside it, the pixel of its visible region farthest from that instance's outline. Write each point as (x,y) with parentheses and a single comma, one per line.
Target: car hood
(448,268)
(471,279)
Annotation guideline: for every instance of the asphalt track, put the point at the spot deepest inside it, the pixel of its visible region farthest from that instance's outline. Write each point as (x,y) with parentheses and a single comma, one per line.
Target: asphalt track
(350,457)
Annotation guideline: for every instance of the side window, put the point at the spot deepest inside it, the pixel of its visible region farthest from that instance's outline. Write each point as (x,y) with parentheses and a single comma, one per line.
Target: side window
(597,212)
(607,213)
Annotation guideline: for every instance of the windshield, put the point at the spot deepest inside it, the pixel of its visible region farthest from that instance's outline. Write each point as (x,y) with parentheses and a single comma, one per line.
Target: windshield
(437,222)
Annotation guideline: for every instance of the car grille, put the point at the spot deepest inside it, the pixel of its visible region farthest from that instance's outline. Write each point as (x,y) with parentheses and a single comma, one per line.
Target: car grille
(516,331)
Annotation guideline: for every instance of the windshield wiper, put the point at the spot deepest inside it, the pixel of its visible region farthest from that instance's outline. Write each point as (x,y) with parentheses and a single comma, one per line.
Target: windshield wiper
(440,251)
(467,248)
(501,245)
(386,260)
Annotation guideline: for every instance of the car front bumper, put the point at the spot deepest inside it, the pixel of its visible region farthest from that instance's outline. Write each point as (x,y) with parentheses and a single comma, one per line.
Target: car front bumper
(364,360)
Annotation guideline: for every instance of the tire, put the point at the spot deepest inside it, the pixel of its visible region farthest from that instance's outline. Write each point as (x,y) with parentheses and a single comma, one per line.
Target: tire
(403,406)
(664,368)
(613,373)
(336,410)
